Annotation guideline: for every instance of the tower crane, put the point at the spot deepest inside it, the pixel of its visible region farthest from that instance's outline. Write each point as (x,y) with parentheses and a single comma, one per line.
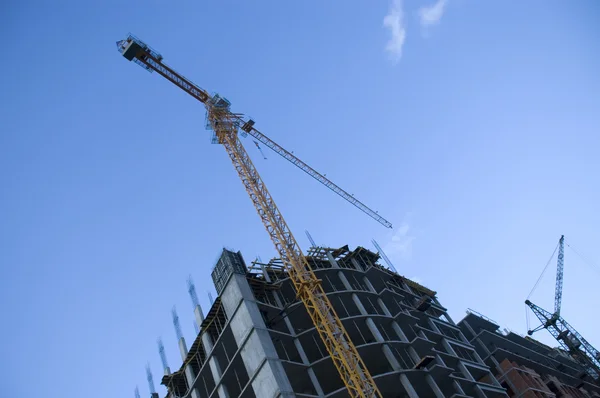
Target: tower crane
(225,125)
(570,340)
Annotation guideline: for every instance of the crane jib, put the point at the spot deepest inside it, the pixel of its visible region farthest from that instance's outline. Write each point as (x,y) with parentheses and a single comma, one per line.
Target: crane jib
(344,355)
(319,177)
(134,49)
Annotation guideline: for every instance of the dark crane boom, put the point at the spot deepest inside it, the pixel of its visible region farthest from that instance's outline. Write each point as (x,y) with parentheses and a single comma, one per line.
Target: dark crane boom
(560,265)
(566,335)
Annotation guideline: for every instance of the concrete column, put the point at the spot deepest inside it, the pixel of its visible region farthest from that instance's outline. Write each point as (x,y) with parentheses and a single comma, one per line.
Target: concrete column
(361,307)
(198,315)
(215,368)
(485,349)
(440,360)
(207,341)
(410,391)
(495,381)
(374,330)
(389,355)
(189,375)
(384,308)
(413,354)
(222,391)
(458,388)
(465,371)
(434,326)
(313,378)
(479,360)
(406,287)
(345,281)
(278,299)
(195,393)
(217,373)
(189,372)
(183,349)
(469,328)
(311,372)
(448,348)
(434,387)
(334,263)
(265,273)
(496,364)
(369,285)
(298,345)
(213,363)
(479,392)
(356,264)
(399,331)
(252,336)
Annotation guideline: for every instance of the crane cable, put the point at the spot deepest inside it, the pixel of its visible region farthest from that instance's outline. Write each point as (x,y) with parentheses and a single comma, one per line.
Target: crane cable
(537,283)
(542,274)
(589,263)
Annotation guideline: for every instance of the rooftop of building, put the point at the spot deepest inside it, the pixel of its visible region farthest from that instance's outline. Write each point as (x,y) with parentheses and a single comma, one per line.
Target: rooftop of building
(270,276)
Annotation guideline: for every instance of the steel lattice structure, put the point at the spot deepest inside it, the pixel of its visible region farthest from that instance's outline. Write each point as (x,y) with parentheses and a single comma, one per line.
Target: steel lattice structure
(569,338)
(151,60)
(560,265)
(226,126)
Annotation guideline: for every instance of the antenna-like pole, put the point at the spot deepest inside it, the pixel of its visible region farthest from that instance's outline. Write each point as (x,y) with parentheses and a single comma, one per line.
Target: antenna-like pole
(176,323)
(196,303)
(163,357)
(150,380)
(192,291)
(180,340)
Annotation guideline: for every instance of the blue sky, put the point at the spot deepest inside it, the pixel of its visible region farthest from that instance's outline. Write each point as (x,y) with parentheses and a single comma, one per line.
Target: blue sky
(472,126)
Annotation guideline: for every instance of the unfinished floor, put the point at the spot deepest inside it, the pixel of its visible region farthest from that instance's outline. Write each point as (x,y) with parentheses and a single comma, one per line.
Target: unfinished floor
(523,365)
(257,339)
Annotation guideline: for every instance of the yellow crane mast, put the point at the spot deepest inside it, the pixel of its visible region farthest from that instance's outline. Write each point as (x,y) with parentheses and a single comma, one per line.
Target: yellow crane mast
(226,126)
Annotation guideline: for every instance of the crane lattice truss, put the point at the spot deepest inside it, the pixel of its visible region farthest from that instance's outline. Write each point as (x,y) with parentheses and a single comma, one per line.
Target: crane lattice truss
(151,60)
(226,125)
(569,339)
(565,334)
(560,266)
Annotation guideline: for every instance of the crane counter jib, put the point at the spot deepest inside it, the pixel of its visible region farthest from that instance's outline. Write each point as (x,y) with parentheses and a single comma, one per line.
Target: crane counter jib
(133,49)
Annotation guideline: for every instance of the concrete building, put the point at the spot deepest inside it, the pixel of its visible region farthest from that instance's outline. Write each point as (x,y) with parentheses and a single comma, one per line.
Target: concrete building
(525,367)
(257,339)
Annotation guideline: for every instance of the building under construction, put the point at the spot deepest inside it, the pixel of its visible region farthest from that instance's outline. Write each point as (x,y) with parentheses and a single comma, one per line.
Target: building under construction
(335,322)
(257,339)
(524,366)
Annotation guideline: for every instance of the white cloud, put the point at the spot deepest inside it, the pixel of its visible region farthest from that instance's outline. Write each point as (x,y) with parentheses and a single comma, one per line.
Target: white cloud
(400,245)
(394,21)
(433,14)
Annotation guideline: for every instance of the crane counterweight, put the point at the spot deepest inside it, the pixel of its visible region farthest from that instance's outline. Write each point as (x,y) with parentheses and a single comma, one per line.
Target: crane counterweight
(130,49)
